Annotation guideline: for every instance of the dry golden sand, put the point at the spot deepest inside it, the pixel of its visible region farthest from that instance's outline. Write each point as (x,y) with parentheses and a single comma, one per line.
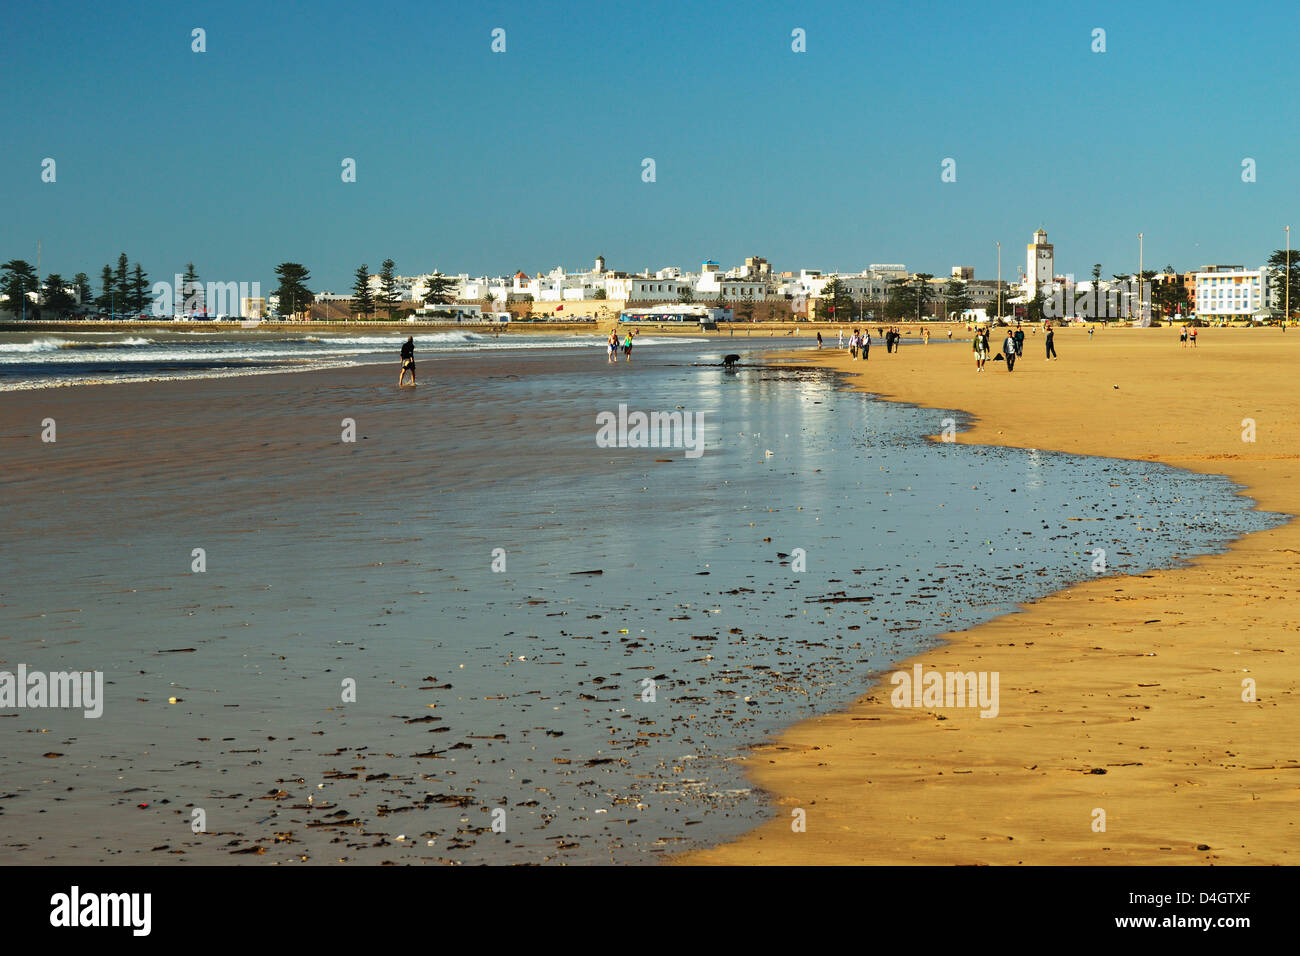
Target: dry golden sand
(1139,676)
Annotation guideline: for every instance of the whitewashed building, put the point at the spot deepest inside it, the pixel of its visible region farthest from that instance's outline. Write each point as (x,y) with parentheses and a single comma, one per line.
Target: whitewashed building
(647,288)
(1231,292)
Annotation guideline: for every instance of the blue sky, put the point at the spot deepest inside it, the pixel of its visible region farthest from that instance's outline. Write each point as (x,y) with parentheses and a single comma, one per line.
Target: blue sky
(473,161)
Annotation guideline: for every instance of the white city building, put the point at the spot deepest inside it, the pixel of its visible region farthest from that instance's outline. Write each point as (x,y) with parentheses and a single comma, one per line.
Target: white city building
(1232,292)
(647,288)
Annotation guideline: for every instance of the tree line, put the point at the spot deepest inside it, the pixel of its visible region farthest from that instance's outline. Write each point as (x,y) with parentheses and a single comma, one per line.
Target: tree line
(366,302)
(125,290)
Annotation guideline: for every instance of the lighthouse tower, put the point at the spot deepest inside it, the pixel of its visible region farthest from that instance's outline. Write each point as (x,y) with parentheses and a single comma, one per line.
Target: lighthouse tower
(1041,261)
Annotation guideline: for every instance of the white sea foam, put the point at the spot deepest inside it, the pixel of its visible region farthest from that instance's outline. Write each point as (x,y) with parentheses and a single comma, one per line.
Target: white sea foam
(38,345)
(396,339)
(129,357)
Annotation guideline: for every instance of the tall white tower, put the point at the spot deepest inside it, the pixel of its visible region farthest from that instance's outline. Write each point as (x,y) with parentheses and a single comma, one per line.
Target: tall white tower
(1040,265)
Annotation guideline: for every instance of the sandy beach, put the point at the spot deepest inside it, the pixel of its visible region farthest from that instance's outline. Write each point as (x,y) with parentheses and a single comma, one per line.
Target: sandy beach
(1120,694)
(370,559)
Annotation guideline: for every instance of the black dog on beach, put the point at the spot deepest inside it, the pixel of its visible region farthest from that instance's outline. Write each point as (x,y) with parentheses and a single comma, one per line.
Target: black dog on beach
(729,360)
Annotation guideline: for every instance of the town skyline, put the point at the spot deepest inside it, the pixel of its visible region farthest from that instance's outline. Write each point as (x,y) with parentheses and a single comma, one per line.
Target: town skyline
(830,143)
(1013,268)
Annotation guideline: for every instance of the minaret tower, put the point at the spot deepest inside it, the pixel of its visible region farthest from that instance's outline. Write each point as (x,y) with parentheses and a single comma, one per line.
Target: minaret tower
(1041,262)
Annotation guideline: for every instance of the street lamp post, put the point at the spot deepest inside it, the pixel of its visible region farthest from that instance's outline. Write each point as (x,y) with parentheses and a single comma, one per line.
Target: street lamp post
(1139,277)
(999,245)
(1287,317)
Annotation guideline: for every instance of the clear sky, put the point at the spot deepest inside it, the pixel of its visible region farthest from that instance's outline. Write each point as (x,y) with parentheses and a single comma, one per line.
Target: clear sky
(481,162)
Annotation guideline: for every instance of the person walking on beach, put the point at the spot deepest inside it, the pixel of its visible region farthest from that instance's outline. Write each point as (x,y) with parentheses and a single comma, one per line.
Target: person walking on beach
(819,341)
(950,333)
(1090,333)
(1051,347)
(1009,351)
(865,343)
(627,347)
(611,344)
(981,349)
(1182,336)
(1193,336)
(925,334)
(841,341)
(408,361)
(1020,341)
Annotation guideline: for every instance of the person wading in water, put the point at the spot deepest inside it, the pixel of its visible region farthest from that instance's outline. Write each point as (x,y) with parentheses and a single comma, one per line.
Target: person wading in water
(408,361)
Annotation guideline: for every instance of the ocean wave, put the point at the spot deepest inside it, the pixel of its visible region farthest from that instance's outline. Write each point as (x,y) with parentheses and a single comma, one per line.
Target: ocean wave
(100,356)
(395,340)
(121,343)
(650,340)
(22,385)
(38,345)
(134,351)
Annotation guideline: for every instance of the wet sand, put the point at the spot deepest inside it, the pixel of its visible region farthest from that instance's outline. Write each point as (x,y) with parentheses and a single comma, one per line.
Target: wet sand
(1123,694)
(480,691)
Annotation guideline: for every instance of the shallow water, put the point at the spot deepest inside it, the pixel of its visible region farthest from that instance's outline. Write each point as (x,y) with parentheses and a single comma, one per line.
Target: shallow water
(41,358)
(521,690)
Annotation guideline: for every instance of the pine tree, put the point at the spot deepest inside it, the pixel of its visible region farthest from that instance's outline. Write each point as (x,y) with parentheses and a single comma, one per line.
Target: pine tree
(909,297)
(387,287)
(122,284)
(104,301)
(124,277)
(441,290)
(292,291)
(923,292)
(746,311)
(1277,265)
(190,294)
(955,297)
(57,299)
(838,303)
(17,281)
(139,290)
(363,301)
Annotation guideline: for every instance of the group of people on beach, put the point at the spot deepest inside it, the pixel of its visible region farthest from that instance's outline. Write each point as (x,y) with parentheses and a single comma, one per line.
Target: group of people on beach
(859,343)
(859,340)
(611,345)
(1185,333)
(1013,346)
